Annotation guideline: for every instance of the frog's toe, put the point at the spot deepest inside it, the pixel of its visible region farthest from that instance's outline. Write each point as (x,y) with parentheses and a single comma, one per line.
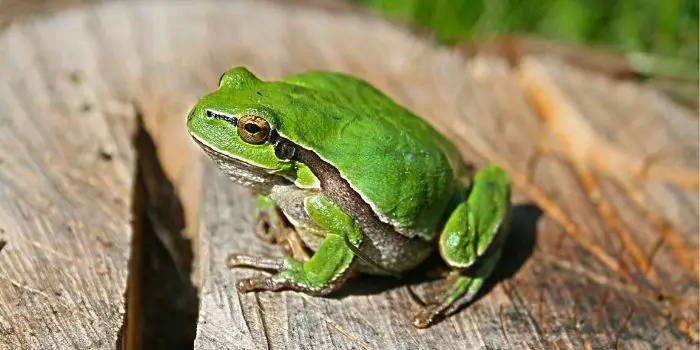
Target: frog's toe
(423,320)
(429,316)
(248,285)
(256,262)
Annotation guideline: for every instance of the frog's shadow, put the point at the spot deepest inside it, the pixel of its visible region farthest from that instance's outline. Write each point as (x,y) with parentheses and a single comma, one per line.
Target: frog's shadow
(517,249)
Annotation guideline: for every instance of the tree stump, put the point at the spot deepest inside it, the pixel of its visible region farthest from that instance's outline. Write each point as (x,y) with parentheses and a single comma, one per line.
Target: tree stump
(116,226)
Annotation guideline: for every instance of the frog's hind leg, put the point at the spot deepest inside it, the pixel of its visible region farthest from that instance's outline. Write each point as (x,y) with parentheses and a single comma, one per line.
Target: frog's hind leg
(471,242)
(272,226)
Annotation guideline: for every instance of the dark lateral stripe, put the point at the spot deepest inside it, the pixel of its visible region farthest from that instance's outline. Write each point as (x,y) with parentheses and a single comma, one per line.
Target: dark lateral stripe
(337,188)
(221,116)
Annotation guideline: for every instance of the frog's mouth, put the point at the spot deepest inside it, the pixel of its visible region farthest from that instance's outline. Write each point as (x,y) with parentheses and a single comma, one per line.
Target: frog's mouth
(256,178)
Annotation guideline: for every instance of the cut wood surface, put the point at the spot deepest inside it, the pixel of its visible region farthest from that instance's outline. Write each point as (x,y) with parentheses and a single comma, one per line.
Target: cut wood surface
(604,248)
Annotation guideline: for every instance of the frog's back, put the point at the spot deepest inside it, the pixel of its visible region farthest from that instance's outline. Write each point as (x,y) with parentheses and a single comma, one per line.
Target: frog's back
(400,165)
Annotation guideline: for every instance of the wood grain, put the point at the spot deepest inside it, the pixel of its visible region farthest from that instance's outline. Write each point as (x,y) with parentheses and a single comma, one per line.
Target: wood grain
(66,168)
(604,252)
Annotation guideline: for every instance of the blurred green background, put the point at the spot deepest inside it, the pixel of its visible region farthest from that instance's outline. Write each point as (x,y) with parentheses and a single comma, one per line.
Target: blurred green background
(661,36)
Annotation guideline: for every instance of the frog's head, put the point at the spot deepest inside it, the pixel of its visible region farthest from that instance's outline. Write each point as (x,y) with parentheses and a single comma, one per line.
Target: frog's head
(236,128)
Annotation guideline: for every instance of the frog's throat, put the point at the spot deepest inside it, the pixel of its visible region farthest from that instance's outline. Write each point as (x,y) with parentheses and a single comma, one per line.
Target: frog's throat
(257,179)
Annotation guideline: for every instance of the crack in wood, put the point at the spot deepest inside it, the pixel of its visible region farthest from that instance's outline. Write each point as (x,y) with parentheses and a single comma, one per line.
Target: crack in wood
(162,302)
(263,322)
(355,339)
(502,319)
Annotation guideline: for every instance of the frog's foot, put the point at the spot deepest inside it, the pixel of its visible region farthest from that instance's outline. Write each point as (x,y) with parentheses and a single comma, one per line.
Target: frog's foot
(465,286)
(430,315)
(462,292)
(329,267)
(471,242)
(327,270)
(272,227)
(290,275)
(258,283)
(270,283)
(270,224)
(285,237)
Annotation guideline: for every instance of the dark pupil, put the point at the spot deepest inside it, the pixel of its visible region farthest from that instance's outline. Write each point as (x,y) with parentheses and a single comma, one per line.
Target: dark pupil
(251,128)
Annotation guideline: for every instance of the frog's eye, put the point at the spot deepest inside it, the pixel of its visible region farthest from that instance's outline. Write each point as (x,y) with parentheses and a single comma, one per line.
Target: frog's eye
(253,129)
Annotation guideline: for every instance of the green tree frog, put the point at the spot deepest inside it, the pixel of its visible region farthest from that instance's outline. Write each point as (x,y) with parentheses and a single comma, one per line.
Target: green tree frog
(363,184)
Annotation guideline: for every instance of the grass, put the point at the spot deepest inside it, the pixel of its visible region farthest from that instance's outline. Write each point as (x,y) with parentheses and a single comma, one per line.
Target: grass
(660,36)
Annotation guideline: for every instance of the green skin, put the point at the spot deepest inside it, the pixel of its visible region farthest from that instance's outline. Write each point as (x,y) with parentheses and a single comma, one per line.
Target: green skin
(366,185)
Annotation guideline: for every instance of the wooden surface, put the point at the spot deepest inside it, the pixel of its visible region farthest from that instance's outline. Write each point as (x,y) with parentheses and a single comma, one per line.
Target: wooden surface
(604,251)
(66,169)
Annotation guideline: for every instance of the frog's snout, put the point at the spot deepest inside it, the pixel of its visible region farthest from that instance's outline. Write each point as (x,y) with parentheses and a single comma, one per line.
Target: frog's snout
(190,119)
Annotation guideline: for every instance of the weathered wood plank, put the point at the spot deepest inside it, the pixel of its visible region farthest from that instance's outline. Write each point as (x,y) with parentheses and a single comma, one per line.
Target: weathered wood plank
(572,277)
(65,182)
(67,166)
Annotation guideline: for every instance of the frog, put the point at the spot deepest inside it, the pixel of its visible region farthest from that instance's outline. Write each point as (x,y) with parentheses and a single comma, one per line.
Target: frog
(358,183)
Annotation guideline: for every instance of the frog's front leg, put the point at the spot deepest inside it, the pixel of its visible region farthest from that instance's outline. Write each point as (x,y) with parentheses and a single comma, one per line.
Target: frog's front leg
(471,242)
(325,271)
